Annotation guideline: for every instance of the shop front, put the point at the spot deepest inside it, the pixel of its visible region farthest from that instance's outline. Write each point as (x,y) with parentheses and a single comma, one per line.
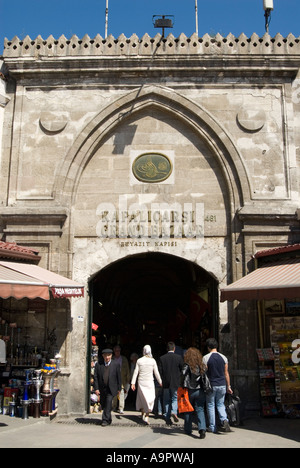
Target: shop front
(275,286)
(34,316)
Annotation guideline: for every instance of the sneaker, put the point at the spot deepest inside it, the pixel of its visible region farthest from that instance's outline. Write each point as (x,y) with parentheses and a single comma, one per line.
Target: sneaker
(225,426)
(202,434)
(175,417)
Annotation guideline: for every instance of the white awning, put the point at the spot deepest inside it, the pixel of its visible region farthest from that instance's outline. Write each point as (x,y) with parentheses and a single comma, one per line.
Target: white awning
(20,280)
(277,280)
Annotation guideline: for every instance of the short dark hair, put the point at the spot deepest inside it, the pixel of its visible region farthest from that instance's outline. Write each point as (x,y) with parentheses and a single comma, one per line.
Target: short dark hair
(171,346)
(212,343)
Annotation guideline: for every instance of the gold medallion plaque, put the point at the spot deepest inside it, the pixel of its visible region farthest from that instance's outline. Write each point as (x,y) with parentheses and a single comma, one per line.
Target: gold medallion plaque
(152,168)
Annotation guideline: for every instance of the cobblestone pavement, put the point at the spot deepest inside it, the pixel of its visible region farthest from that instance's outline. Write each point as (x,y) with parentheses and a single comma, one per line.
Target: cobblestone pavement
(127,431)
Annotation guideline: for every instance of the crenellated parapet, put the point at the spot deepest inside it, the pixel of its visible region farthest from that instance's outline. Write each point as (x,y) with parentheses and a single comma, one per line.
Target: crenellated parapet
(148,46)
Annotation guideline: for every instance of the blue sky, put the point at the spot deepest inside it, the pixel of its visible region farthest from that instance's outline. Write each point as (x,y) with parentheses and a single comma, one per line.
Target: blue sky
(69,17)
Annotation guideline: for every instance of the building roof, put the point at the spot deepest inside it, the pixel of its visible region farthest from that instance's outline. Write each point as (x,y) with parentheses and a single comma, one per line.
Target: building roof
(10,250)
(277,250)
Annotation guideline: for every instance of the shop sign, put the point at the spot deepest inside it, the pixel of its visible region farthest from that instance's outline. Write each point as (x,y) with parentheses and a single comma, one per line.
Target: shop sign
(150,221)
(67,292)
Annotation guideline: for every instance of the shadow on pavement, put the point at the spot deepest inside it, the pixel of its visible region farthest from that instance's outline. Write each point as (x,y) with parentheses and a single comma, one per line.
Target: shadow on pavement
(280,427)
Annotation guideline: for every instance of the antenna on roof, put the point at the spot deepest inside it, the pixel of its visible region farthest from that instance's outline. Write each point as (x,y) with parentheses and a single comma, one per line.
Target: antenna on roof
(106,19)
(268,7)
(196,15)
(162,22)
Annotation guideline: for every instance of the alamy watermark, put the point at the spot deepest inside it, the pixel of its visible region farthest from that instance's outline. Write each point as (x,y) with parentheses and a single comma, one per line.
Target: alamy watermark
(150,221)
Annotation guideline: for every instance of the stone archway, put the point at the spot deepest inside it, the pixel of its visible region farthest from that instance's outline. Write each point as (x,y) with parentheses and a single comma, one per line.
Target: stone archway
(152,298)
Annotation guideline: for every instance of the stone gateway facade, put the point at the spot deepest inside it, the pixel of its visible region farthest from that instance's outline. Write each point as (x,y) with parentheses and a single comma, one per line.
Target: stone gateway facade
(151,169)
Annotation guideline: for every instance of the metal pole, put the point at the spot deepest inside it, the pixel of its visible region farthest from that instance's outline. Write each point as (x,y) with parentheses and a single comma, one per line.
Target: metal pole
(196,14)
(267,17)
(106,19)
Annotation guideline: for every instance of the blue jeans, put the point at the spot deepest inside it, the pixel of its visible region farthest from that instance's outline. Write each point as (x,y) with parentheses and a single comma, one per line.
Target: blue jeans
(197,400)
(170,402)
(216,399)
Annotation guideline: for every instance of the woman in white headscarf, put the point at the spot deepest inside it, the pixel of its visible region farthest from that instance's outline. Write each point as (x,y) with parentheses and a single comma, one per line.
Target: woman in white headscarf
(144,372)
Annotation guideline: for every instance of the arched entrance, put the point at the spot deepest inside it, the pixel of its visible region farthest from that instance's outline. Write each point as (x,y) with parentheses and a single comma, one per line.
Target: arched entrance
(152,298)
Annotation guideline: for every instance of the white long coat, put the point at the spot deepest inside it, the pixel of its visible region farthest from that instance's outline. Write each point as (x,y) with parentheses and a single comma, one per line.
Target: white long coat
(144,372)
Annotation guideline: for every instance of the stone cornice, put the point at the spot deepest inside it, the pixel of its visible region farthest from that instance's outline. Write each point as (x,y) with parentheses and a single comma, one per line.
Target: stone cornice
(268,212)
(208,58)
(147,46)
(33,221)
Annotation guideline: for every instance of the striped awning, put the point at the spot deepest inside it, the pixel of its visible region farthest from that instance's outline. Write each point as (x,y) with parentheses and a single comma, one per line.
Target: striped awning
(21,280)
(276,280)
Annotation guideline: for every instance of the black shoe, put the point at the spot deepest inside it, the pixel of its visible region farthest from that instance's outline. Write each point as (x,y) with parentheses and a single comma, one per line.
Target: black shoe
(175,418)
(106,423)
(202,434)
(169,422)
(225,426)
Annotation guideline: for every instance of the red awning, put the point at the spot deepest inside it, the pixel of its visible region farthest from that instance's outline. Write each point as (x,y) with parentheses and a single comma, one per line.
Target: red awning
(276,280)
(20,280)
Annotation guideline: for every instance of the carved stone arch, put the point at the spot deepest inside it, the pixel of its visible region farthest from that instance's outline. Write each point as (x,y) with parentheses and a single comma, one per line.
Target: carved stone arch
(167,100)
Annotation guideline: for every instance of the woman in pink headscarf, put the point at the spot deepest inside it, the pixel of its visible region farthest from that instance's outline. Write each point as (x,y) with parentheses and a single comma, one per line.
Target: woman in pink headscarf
(144,372)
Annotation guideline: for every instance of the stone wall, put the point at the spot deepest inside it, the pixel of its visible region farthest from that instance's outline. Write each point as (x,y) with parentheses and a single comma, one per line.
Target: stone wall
(225,111)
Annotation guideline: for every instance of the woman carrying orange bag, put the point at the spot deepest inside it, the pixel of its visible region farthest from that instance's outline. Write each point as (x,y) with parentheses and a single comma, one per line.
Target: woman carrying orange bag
(192,370)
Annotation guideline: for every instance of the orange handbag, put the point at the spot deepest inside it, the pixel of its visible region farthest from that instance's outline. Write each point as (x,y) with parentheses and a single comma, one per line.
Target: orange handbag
(184,405)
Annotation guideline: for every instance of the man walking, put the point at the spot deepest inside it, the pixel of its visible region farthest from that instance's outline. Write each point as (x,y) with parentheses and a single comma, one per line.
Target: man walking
(125,379)
(170,367)
(217,372)
(107,384)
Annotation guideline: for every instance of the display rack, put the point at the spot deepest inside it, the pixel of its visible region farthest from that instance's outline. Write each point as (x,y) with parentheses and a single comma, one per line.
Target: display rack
(267,381)
(285,339)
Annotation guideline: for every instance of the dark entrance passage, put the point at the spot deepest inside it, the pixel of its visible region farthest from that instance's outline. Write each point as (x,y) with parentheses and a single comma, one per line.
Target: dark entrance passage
(153,298)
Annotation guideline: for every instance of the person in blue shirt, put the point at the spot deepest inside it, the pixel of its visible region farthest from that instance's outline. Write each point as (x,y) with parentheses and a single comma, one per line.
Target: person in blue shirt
(217,372)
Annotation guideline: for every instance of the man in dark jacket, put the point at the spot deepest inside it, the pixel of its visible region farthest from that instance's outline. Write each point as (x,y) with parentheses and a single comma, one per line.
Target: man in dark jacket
(170,367)
(107,384)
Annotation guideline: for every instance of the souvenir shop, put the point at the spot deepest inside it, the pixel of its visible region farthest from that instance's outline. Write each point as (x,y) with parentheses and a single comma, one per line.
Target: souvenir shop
(275,287)
(34,316)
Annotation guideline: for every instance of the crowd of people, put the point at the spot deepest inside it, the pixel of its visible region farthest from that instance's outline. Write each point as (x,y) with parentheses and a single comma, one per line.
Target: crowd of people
(156,385)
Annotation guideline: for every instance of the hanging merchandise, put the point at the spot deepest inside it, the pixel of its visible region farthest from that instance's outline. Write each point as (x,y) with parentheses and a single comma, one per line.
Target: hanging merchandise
(279,365)
(285,334)
(35,395)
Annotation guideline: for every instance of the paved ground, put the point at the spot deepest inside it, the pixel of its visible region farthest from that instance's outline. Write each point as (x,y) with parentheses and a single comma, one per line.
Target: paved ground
(127,432)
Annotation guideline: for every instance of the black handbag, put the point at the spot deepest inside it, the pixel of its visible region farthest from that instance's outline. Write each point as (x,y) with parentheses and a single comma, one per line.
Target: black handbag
(205,383)
(232,405)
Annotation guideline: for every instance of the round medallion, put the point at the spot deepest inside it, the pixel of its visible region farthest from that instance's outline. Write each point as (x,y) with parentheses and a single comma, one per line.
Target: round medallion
(251,120)
(52,122)
(152,168)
